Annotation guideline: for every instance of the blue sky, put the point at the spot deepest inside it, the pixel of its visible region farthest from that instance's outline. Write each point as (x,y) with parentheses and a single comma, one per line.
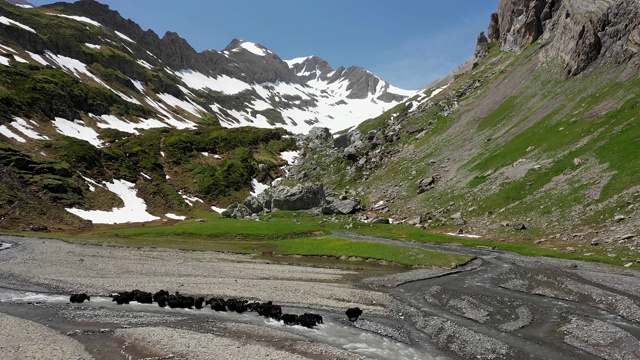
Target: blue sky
(408,43)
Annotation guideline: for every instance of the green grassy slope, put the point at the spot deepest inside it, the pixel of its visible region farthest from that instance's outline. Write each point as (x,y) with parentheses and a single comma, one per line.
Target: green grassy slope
(518,143)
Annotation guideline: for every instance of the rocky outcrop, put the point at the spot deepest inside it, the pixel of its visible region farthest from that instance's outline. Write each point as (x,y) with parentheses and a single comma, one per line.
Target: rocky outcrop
(298,197)
(482,45)
(493,33)
(521,22)
(342,207)
(313,68)
(579,32)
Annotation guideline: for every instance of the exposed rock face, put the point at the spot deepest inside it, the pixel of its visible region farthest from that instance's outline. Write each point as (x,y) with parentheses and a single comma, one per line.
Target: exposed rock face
(520,22)
(426,184)
(313,68)
(482,44)
(320,134)
(299,197)
(493,32)
(342,207)
(580,32)
(253,68)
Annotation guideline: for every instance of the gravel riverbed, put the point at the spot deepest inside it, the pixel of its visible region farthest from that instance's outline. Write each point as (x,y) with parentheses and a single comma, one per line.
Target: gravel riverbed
(499,306)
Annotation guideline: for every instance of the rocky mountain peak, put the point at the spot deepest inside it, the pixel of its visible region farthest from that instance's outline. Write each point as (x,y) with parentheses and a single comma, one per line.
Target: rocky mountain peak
(254,63)
(311,68)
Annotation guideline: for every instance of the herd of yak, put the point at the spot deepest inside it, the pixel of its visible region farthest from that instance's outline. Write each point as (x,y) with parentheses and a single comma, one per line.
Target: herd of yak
(177,300)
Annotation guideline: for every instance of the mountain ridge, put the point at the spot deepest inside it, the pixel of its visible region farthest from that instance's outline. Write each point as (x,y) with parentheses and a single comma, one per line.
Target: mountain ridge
(535,140)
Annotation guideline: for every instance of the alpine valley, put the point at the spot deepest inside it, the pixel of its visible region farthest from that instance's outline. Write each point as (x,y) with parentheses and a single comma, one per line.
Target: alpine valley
(162,203)
(536,137)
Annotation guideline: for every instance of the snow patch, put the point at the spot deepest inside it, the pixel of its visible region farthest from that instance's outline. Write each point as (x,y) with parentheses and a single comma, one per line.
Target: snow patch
(78,18)
(290,156)
(4,61)
(6,21)
(26,128)
(138,85)
(113,122)
(186,105)
(6,49)
(297,61)
(92,46)
(190,199)
(123,36)
(258,187)
(218,210)
(4,130)
(144,64)
(78,130)
(253,48)
(175,217)
(134,210)
(78,68)
(39,59)
(222,83)
(20,60)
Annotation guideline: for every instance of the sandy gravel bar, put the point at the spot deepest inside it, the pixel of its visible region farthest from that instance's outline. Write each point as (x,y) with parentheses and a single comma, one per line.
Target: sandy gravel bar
(24,339)
(98,269)
(185,344)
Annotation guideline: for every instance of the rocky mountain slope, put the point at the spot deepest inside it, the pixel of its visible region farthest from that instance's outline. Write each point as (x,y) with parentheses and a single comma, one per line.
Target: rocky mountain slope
(244,84)
(98,114)
(537,138)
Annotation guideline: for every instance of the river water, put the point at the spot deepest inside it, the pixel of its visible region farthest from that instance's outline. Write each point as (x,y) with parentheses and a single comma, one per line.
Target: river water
(509,307)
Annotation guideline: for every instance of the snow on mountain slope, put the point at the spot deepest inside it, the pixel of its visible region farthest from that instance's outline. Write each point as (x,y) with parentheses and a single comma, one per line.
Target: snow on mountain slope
(245,84)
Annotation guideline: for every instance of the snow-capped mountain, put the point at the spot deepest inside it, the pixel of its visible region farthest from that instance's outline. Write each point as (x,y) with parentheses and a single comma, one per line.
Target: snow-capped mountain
(243,84)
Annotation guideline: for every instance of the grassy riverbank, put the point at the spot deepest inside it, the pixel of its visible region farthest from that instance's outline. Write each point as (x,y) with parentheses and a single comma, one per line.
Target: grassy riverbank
(292,235)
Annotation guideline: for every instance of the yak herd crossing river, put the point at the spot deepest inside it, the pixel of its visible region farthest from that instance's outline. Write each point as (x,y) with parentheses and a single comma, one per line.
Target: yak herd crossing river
(503,306)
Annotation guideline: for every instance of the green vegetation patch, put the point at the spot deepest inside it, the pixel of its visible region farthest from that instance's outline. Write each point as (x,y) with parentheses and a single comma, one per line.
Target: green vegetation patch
(339,247)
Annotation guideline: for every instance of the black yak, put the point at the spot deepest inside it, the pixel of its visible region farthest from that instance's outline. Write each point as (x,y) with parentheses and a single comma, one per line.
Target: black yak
(79,298)
(353,313)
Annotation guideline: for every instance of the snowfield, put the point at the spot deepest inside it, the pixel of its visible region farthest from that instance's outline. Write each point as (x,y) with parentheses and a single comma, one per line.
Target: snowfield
(77,129)
(134,210)
(6,21)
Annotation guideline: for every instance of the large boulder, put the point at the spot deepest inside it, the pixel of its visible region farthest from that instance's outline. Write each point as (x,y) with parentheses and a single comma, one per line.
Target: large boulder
(237,211)
(320,134)
(253,204)
(426,184)
(342,207)
(299,197)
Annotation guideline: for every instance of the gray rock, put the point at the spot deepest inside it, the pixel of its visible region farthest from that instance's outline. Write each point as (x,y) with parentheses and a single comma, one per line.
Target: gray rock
(320,133)
(482,45)
(237,211)
(426,184)
(342,207)
(619,218)
(350,154)
(299,197)
(253,204)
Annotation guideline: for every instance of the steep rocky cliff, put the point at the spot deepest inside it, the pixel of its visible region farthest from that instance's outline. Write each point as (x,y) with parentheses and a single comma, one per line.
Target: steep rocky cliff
(579,32)
(538,140)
